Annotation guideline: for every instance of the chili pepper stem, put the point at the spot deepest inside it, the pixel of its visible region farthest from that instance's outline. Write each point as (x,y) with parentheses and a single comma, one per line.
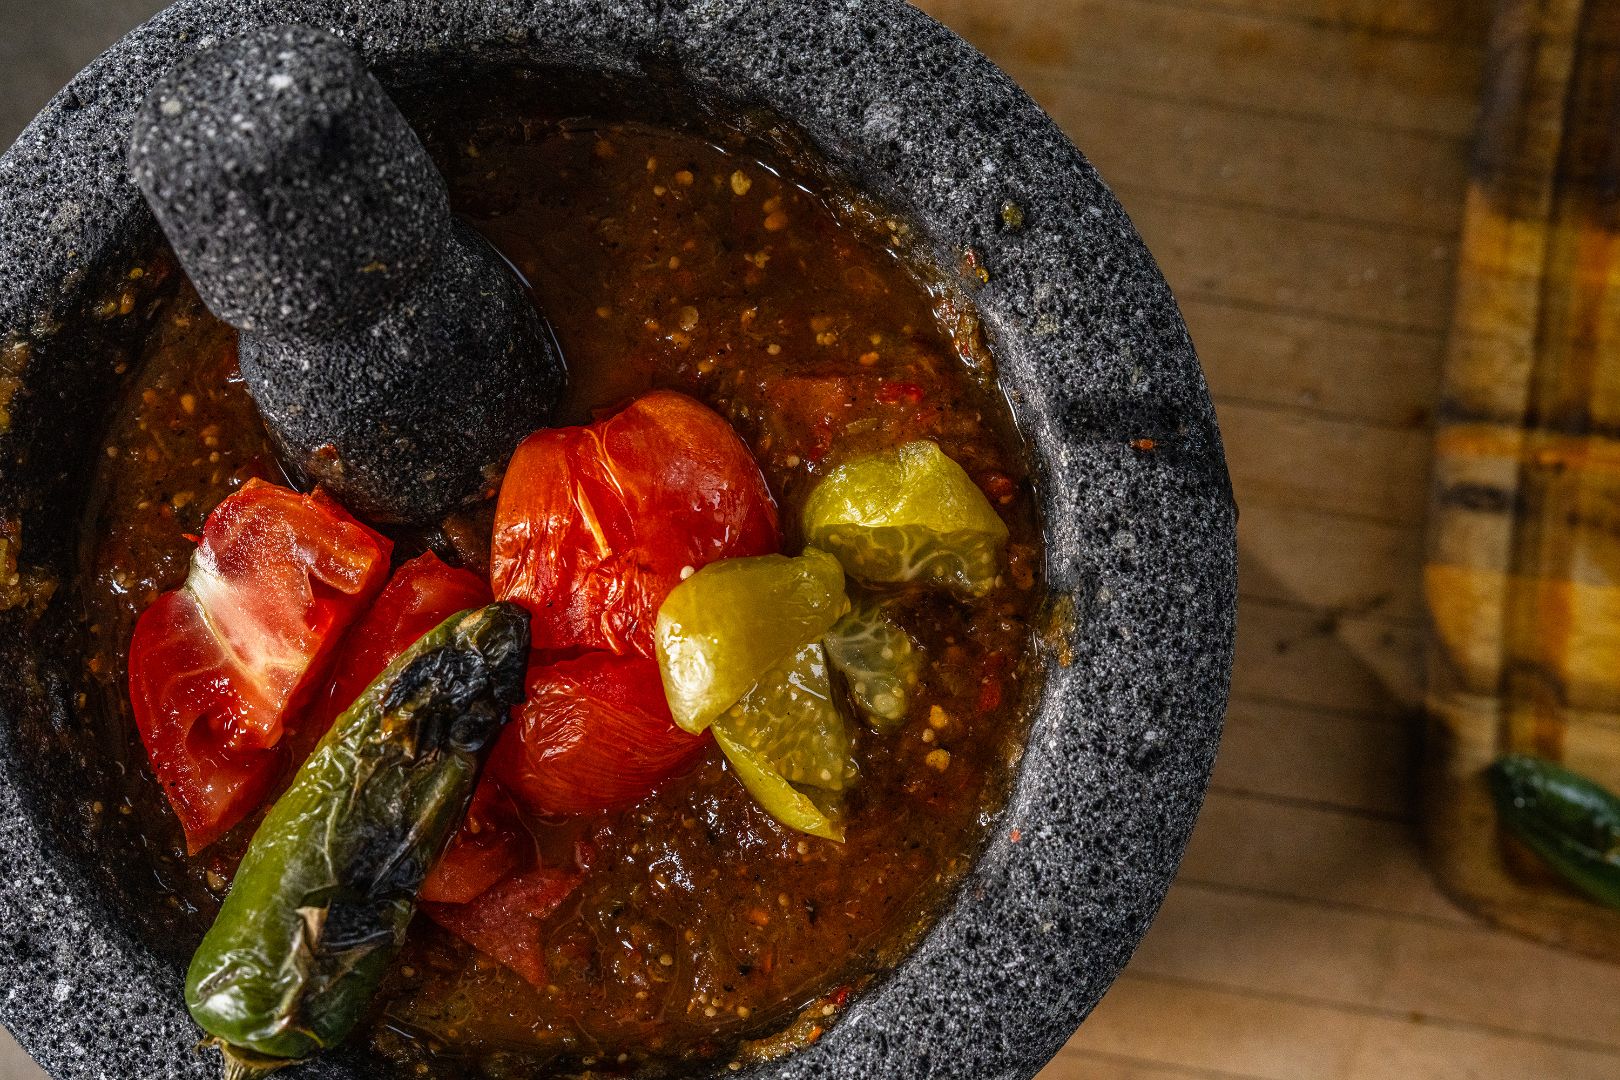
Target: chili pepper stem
(242,1064)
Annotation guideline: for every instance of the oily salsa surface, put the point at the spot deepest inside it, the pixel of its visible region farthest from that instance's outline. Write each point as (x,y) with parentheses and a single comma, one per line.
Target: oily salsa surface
(666,253)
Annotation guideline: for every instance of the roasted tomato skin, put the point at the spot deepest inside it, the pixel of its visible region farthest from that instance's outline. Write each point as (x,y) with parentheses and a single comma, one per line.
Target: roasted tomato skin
(596,524)
(221,667)
(595,734)
(422,594)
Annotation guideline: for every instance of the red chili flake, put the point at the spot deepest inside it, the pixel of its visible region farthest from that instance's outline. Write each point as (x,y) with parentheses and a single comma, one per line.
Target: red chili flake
(989,694)
(1016,835)
(839,996)
(1146,446)
(895,392)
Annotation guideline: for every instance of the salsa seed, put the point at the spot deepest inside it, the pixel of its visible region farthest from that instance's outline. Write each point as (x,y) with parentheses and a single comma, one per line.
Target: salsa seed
(829,337)
(667,960)
(740,183)
(868,359)
(687,571)
(688,317)
(928,735)
(773,204)
(684,178)
(659,190)
(938,717)
(776,222)
(674,262)
(939,760)
(652,164)
(710,1010)
(604,312)
(773,348)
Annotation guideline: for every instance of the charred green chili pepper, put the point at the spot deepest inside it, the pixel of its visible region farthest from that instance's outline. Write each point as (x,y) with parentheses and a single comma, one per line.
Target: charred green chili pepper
(1568,820)
(323,896)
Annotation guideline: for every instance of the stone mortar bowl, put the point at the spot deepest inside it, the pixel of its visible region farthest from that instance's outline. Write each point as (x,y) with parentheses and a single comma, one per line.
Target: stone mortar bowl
(1140,549)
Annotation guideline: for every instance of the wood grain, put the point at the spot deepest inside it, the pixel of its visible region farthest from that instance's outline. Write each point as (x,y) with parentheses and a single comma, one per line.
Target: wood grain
(1225,56)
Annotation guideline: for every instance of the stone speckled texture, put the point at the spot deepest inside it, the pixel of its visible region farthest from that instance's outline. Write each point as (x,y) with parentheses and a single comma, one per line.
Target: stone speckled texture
(1092,352)
(395,357)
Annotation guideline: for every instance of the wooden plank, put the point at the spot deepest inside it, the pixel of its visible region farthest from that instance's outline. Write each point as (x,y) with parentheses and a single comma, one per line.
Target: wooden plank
(1344,662)
(1313,854)
(1366,374)
(1465,23)
(1215,57)
(1366,275)
(1079,1063)
(1319,559)
(1299,165)
(1286,752)
(1223,1031)
(1281,458)
(1466,975)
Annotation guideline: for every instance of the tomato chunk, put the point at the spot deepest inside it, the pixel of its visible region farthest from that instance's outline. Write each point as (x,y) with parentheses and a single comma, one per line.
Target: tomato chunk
(422,594)
(219,668)
(596,524)
(594,734)
(505,922)
(491,843)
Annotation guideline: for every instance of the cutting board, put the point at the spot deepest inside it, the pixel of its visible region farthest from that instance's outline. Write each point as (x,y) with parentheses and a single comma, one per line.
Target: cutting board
(1522,578)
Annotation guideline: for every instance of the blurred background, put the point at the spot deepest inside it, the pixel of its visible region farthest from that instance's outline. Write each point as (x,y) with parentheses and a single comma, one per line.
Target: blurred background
(1359,297)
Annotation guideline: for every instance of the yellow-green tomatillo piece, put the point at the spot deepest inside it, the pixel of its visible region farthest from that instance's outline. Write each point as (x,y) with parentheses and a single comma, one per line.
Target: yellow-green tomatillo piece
(723,628)
(878,660)
(792,723)
(776,796)
(908,514)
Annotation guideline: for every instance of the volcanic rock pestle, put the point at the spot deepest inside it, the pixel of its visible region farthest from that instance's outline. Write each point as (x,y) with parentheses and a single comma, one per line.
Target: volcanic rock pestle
(394,356)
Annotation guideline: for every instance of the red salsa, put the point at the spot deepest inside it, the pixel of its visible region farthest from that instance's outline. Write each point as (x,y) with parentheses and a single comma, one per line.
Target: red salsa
(687,925)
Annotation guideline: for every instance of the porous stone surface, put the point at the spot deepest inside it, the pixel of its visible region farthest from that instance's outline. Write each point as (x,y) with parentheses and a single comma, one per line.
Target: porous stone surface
(1092,352)
(394,356)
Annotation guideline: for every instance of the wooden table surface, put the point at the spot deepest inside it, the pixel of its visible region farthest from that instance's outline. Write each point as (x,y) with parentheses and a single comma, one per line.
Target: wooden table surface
(1298,168)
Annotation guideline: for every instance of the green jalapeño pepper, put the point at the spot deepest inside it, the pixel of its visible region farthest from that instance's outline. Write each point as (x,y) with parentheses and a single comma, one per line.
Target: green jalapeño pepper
(908,514)
(323,897)
(1568,820)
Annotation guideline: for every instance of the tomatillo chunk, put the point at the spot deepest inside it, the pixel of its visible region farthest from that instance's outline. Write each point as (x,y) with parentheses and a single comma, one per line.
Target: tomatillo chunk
(791,722)
(322,899)
(723,628)
(908,514)
(1568,820)
(879,662)
(784,802)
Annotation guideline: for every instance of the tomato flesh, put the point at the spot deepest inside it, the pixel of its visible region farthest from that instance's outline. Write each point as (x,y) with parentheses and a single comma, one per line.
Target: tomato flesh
(505,922)
(221,667)
(595,734)
(491,843)
(422,594)
(596,524)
